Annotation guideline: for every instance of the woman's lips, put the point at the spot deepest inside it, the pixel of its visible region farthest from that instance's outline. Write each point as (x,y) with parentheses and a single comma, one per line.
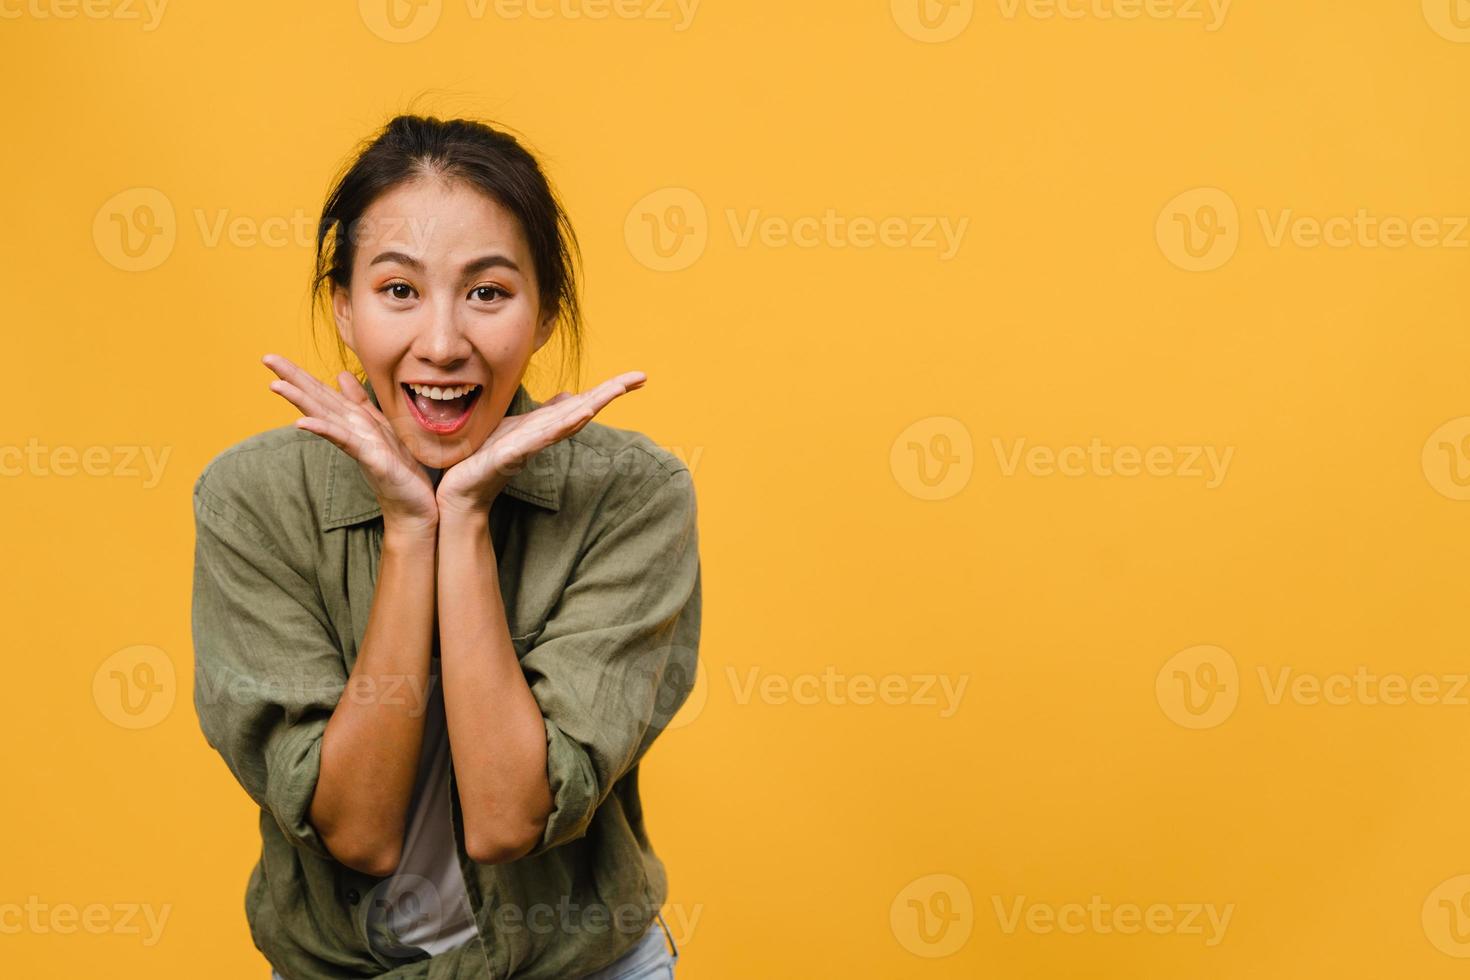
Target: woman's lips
(445,425)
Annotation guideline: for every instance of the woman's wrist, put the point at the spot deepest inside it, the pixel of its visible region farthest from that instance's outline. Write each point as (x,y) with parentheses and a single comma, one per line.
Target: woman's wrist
(463,516)
(411,532)
(461,510)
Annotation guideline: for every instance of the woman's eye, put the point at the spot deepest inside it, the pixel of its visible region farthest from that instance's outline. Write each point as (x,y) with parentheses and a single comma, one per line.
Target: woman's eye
(393,289)
(486,293)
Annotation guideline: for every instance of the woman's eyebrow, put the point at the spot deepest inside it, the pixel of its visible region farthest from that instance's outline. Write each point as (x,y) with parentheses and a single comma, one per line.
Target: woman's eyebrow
(470,268)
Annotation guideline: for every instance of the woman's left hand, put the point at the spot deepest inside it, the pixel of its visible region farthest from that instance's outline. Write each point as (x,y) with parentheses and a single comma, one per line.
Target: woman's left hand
(471,485)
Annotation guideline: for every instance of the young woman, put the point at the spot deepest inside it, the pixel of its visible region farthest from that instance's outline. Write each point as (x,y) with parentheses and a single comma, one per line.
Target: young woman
(437,624)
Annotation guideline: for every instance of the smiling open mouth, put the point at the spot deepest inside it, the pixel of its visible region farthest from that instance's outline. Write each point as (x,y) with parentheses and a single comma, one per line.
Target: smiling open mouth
(441,409)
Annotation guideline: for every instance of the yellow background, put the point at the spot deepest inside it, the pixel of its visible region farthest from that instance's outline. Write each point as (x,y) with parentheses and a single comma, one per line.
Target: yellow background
(816,392)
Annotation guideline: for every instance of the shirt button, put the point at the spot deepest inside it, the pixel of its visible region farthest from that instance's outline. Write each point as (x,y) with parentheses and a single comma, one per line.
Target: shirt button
(353,896)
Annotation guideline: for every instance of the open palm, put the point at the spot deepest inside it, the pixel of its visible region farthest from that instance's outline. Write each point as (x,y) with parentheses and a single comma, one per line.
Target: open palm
(472,484)
(350,421)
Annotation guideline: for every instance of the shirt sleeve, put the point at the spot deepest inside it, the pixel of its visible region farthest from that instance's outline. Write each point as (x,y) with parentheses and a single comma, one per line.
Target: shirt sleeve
(618,654)
(268,671)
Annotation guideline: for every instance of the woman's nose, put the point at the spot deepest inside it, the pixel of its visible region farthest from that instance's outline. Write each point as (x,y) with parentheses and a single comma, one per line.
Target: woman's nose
(442,339)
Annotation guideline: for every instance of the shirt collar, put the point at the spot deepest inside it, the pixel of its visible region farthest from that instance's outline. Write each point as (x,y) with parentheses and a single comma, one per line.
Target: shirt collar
(349,499)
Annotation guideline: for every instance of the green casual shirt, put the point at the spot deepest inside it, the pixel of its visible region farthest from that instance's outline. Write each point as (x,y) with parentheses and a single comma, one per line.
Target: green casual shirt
(598,558)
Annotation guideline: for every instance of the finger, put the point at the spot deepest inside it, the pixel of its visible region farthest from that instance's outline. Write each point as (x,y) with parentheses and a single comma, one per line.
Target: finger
(565,414)
(352,389)
(322,399)
(622,383)
(355,393)
(539,415)
(369,452)
(308,406)
(330,431)
(296,397)
(598,398)
(301,386)
(628,379)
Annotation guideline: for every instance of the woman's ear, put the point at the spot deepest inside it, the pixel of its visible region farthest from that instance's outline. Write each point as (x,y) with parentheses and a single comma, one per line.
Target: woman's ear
(342,313)
(543,331)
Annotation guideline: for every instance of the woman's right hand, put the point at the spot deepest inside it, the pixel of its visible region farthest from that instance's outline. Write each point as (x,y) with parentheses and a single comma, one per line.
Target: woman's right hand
(350,421)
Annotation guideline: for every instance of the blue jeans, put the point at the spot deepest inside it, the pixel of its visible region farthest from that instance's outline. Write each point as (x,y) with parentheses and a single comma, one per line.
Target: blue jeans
(650,959)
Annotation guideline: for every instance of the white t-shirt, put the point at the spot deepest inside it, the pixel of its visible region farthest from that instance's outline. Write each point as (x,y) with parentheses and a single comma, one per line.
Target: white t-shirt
(424,903)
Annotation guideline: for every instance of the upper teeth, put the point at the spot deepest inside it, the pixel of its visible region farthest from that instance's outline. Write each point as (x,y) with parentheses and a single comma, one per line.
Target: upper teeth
(443,394)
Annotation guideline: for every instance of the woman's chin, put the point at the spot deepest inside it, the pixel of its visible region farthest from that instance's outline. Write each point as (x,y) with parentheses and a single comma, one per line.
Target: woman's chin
(439,460)
(436,453)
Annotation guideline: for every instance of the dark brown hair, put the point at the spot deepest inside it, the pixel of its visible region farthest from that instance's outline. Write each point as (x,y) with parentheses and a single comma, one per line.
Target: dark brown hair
(413,146)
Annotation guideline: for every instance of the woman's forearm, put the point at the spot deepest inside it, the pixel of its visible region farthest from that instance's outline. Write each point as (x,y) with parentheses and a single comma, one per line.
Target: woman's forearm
(370,749)
(496,732)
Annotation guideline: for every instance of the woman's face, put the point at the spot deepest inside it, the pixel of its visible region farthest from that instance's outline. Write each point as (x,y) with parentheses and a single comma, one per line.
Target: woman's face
(443,295)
